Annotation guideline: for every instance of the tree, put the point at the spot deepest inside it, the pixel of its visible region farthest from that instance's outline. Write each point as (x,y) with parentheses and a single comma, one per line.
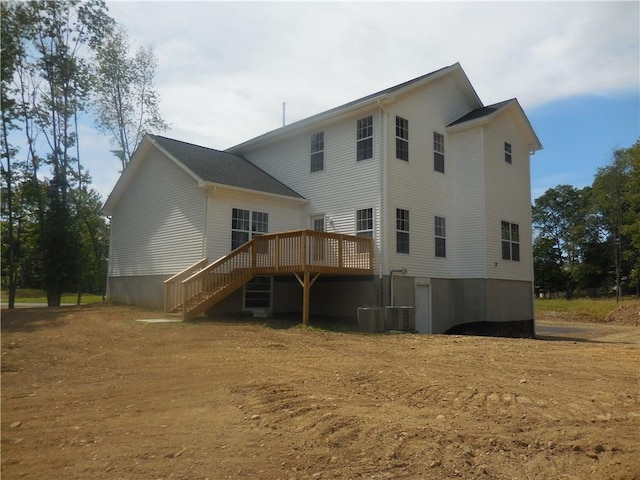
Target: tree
(631,222)
(12,51)
(610,196)
(548,265)
(125,101)
(559,215)
(60,34)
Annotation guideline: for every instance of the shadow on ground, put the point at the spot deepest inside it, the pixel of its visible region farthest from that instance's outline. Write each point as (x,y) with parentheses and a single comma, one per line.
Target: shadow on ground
(283,322)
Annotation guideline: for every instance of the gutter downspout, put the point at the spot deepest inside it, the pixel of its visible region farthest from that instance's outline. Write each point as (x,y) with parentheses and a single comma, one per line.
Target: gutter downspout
(399,270)
(384,190)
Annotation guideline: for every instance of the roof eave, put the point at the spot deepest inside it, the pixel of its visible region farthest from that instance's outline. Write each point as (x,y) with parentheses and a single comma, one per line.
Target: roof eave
(304,123)
(215,186)
(368,101)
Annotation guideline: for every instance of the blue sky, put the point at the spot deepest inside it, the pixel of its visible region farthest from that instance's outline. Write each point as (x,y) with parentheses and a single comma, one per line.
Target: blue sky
(579,135)
(224,68)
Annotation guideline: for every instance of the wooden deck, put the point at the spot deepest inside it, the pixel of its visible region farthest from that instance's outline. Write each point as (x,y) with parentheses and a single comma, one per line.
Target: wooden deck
(303,253)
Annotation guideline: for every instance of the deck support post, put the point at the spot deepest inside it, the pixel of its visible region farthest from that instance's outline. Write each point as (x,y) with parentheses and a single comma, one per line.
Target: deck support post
(305,298)
(306,282)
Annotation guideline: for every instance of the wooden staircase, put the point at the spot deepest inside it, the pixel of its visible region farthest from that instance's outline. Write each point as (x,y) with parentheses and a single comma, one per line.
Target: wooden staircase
(303,252)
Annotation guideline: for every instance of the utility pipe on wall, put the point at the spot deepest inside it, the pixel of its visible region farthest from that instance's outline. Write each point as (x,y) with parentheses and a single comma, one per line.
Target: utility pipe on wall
(403,271)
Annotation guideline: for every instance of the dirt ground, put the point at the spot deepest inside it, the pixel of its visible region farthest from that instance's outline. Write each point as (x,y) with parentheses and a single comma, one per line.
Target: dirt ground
(91,393)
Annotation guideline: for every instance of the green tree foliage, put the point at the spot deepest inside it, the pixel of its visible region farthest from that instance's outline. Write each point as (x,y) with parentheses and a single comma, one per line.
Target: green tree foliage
(10,56)
(560,216)
(548,265)
(612,199)
(125,101)
(46,82)
(590,237)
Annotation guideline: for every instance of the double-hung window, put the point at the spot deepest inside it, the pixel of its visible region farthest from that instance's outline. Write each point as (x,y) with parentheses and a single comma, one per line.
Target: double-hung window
(364,222)
(239,227)
(402,230)
(402,138)
(438,152)
(364,138)
(246,224)
(507,152)
(317,152)
(440,234)
(510,241)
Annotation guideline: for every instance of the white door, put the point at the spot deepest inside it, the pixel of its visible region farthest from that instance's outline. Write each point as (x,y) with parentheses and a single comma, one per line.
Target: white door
(423,308)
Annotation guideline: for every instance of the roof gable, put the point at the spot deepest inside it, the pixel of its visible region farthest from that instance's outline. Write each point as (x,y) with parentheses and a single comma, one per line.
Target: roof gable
(206,165)
(483,115)
(215,166)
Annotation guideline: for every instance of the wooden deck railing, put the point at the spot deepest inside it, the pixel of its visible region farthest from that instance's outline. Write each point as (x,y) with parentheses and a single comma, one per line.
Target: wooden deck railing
(270,254)
(173,286)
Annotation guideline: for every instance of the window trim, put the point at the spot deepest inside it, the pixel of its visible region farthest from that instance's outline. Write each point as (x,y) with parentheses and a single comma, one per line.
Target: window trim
(257,223)
(317,152)
(236,223)
(402,138)
(510,248)
(508,153)
(440,233)
(403,237)
(364,232)
(247,289)
(364,138)
(438,153)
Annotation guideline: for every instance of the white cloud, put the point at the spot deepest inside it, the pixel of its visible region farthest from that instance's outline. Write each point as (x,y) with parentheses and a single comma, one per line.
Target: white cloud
(225,68)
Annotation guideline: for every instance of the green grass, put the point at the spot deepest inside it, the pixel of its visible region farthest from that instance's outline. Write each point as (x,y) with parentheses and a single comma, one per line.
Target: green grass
(597,308)
(30,295)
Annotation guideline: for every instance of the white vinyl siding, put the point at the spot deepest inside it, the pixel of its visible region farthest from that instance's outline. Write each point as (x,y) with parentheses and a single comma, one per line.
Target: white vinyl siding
(345,185)
(157,227)
(414,185)
(282,216)
(466,226)
(508,197)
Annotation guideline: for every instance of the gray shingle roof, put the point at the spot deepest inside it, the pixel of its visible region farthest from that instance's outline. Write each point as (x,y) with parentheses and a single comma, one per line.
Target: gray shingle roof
(224,168)
(481,112)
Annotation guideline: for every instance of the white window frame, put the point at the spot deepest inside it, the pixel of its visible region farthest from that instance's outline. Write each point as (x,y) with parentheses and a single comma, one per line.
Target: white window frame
(251,225)
(317,152)
(366,222)
(510,240)
(438,152)
(364,138)
(403,238)
(248,289)
(508,155)
(440,236)
(402,138)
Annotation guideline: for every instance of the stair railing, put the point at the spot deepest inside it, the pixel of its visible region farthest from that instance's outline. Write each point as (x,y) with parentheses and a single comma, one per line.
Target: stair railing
(173,285)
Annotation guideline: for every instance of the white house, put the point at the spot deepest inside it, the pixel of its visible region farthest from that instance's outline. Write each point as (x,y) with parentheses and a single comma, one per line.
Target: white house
(438,181)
